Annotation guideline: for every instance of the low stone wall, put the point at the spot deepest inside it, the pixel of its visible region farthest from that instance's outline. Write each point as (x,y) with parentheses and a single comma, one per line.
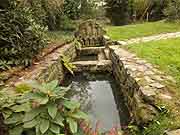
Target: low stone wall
(50,68)
(141,112)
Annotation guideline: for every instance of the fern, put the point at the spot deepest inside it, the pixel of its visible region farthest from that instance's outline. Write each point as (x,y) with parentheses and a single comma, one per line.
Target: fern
(67,64)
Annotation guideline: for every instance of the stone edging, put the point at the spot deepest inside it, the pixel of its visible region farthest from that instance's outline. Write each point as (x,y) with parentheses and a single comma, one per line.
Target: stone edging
(48,69)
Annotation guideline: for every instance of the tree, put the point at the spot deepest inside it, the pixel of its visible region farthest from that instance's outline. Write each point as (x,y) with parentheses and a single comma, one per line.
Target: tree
(117,11)
(4,4)
(72,8)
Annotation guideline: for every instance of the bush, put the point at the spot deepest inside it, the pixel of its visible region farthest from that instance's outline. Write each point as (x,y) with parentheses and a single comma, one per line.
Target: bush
(43,110)
(21,38)
(72,8)
(147,9)
(117,11)
(173,10)
(66,24)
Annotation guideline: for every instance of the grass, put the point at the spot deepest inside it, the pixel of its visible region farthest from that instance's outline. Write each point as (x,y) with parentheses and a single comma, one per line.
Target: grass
(164,53)
(59,36)
(140,30)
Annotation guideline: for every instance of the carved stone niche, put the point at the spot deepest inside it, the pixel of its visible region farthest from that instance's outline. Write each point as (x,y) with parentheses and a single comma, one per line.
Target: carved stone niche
(90,34)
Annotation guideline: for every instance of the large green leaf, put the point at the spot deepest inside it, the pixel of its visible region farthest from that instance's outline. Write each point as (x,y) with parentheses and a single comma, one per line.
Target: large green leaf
(16,131)
(71,105)
(35,85)
(80,115)
(44,125)
(32,114)
(6,113)
(30,124)
(55,128)
(14,118)
(52,85)
(41,98)
(72,125)
(60,91)
(22,108)
(52,110)
(59,119)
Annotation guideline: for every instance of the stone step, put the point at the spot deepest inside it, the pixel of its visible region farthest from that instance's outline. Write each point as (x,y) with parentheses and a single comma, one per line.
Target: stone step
(93,66)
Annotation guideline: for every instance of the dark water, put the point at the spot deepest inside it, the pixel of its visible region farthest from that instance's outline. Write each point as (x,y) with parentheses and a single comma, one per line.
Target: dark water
(99,97)
(86,58)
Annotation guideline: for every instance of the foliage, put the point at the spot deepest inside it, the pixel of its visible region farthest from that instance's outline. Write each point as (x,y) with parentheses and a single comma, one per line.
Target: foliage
(42,111)
(67,64)
(173,10)
(59,36)
(147,9)
(77,44)
(117,11)
(159,125)
(46,12)
(76,9)
(72,8)
(88,9)
(67,24)
(21,38)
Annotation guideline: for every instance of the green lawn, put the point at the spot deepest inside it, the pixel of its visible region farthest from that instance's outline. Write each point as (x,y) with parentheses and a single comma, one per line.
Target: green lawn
(164,53)
(140,30)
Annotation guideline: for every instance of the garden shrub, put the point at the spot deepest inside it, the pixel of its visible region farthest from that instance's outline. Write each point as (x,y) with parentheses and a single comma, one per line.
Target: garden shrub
(173,10)
(117,11)
(21,38)
(147,9)
(43,110)
(72,8)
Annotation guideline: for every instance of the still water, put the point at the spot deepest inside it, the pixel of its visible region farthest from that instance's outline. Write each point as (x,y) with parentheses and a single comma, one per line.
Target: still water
(99,97)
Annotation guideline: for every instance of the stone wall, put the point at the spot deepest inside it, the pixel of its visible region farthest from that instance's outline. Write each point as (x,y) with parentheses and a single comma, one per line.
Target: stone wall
(48,69)
(141,112)
(90,33)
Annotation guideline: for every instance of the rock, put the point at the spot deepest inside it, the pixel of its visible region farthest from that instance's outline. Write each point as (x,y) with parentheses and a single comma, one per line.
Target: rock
(122,42)
(174,132)
(164,96)
(146,113)
(106,37)
(157,85)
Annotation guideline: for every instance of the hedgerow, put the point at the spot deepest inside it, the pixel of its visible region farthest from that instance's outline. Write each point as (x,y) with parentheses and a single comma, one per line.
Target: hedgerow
(21,38)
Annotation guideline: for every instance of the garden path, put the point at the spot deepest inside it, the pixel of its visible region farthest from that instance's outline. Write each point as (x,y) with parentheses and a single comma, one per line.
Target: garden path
(150,38)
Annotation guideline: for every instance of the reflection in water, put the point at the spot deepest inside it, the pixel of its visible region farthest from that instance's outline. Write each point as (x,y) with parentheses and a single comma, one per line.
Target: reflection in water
(96,95)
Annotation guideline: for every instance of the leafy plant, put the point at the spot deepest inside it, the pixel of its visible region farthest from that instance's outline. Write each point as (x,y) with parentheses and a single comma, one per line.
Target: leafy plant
(77,44)
(173,10)
(67,63)
(21,38)
(117,11)
(42,111)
